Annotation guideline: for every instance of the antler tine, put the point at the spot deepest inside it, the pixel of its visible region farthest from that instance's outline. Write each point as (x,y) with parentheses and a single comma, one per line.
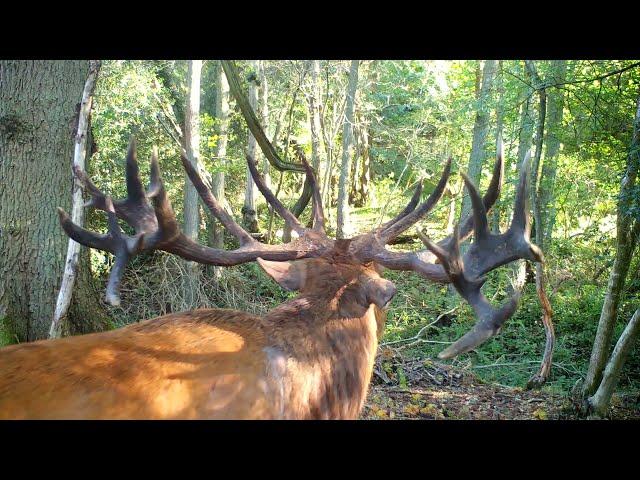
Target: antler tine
(521,220)
(490,196)
(485,329)
(124,248)
(411,218)
(168,228)
(411,206)
(216,209)
(135,190)
(82,235)
(318,213)
(489,319)
(479,212)
(97,196)
(286,215)
(115,242)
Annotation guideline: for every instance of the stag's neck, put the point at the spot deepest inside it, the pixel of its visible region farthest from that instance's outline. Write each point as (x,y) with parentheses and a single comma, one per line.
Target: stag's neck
(320,357)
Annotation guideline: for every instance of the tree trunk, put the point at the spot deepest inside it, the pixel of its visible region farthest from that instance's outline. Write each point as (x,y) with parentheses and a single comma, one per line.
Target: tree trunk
(264,111)
(599,403)
(191,207)
(192,147)
(480,130)
(495,211)
(526,119)
(525,141)
(347,151)
(364,191)
(222,114)
(77,210)
(552,143)
(39,103)
(314,117)
(354,177)
(627,233)
(249,214)
(535,167)
(545,368)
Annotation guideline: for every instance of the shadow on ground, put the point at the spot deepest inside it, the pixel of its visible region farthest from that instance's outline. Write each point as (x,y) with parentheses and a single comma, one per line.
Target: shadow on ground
(405,389)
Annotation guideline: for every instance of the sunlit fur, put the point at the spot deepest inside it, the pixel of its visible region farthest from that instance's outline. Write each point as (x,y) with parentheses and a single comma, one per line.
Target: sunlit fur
(311,357)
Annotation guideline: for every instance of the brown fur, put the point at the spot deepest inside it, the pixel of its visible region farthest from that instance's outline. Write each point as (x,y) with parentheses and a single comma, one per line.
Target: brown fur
(311,357)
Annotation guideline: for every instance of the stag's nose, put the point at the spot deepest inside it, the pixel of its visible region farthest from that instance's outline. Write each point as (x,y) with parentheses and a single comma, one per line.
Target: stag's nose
(388,292)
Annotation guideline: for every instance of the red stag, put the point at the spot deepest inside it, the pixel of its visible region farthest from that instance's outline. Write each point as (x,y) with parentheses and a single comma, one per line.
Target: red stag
(309,358)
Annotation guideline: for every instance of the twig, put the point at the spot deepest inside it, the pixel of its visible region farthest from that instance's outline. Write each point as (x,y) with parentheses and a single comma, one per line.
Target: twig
(417,336)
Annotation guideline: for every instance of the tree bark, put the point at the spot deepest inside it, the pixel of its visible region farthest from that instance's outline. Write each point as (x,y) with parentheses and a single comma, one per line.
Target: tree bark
(541,377)
(480,130)
(77,210)
(552,144)
(347,151)
(39,103)
(495,211)
(264,111)
(314,117)
(191,223)
(249,214)
(192,147)
(627,236)
(525,140)
(218,184)
(599,403)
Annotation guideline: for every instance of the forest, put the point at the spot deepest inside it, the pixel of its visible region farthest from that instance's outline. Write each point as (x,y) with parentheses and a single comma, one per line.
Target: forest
(377,135)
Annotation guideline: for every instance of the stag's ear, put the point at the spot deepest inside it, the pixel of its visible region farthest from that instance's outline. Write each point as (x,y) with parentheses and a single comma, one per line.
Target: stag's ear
(380,291)
(289,275)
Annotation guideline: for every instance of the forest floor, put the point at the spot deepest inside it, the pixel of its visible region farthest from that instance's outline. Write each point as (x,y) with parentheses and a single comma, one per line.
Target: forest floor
(433,391)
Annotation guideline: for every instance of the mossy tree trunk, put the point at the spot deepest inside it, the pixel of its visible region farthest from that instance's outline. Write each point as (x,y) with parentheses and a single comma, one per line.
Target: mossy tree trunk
(39,102)
(480,130)
(628,230)
(347,152)
(249,213)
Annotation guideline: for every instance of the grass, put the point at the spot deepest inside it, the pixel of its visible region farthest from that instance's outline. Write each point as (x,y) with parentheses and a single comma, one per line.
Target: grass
(5,336)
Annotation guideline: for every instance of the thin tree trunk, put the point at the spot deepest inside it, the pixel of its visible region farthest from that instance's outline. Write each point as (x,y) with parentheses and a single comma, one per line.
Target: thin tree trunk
(355,163)
(314,117)
(599,403)
(39,104)
(495,211)
(192,147)
(249,214)
(480,130)
(222,114)
(627,238)
(264,110)
(541,377)
(347,152)
(77,210)
(535,167)
(552,143)
(525,140)
(191,212)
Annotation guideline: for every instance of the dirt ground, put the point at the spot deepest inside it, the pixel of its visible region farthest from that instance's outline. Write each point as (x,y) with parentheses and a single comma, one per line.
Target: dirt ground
(434,391)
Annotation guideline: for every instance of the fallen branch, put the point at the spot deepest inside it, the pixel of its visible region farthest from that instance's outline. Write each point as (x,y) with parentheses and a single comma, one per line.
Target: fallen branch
(77,209)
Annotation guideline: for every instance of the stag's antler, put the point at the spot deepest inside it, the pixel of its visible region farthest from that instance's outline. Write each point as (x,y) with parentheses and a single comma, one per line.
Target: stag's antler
(157,229)
(487,252)
(467,273)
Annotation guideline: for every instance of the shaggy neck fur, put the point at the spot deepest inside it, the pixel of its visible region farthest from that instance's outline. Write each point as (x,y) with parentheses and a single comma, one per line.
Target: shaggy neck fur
(321,349)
